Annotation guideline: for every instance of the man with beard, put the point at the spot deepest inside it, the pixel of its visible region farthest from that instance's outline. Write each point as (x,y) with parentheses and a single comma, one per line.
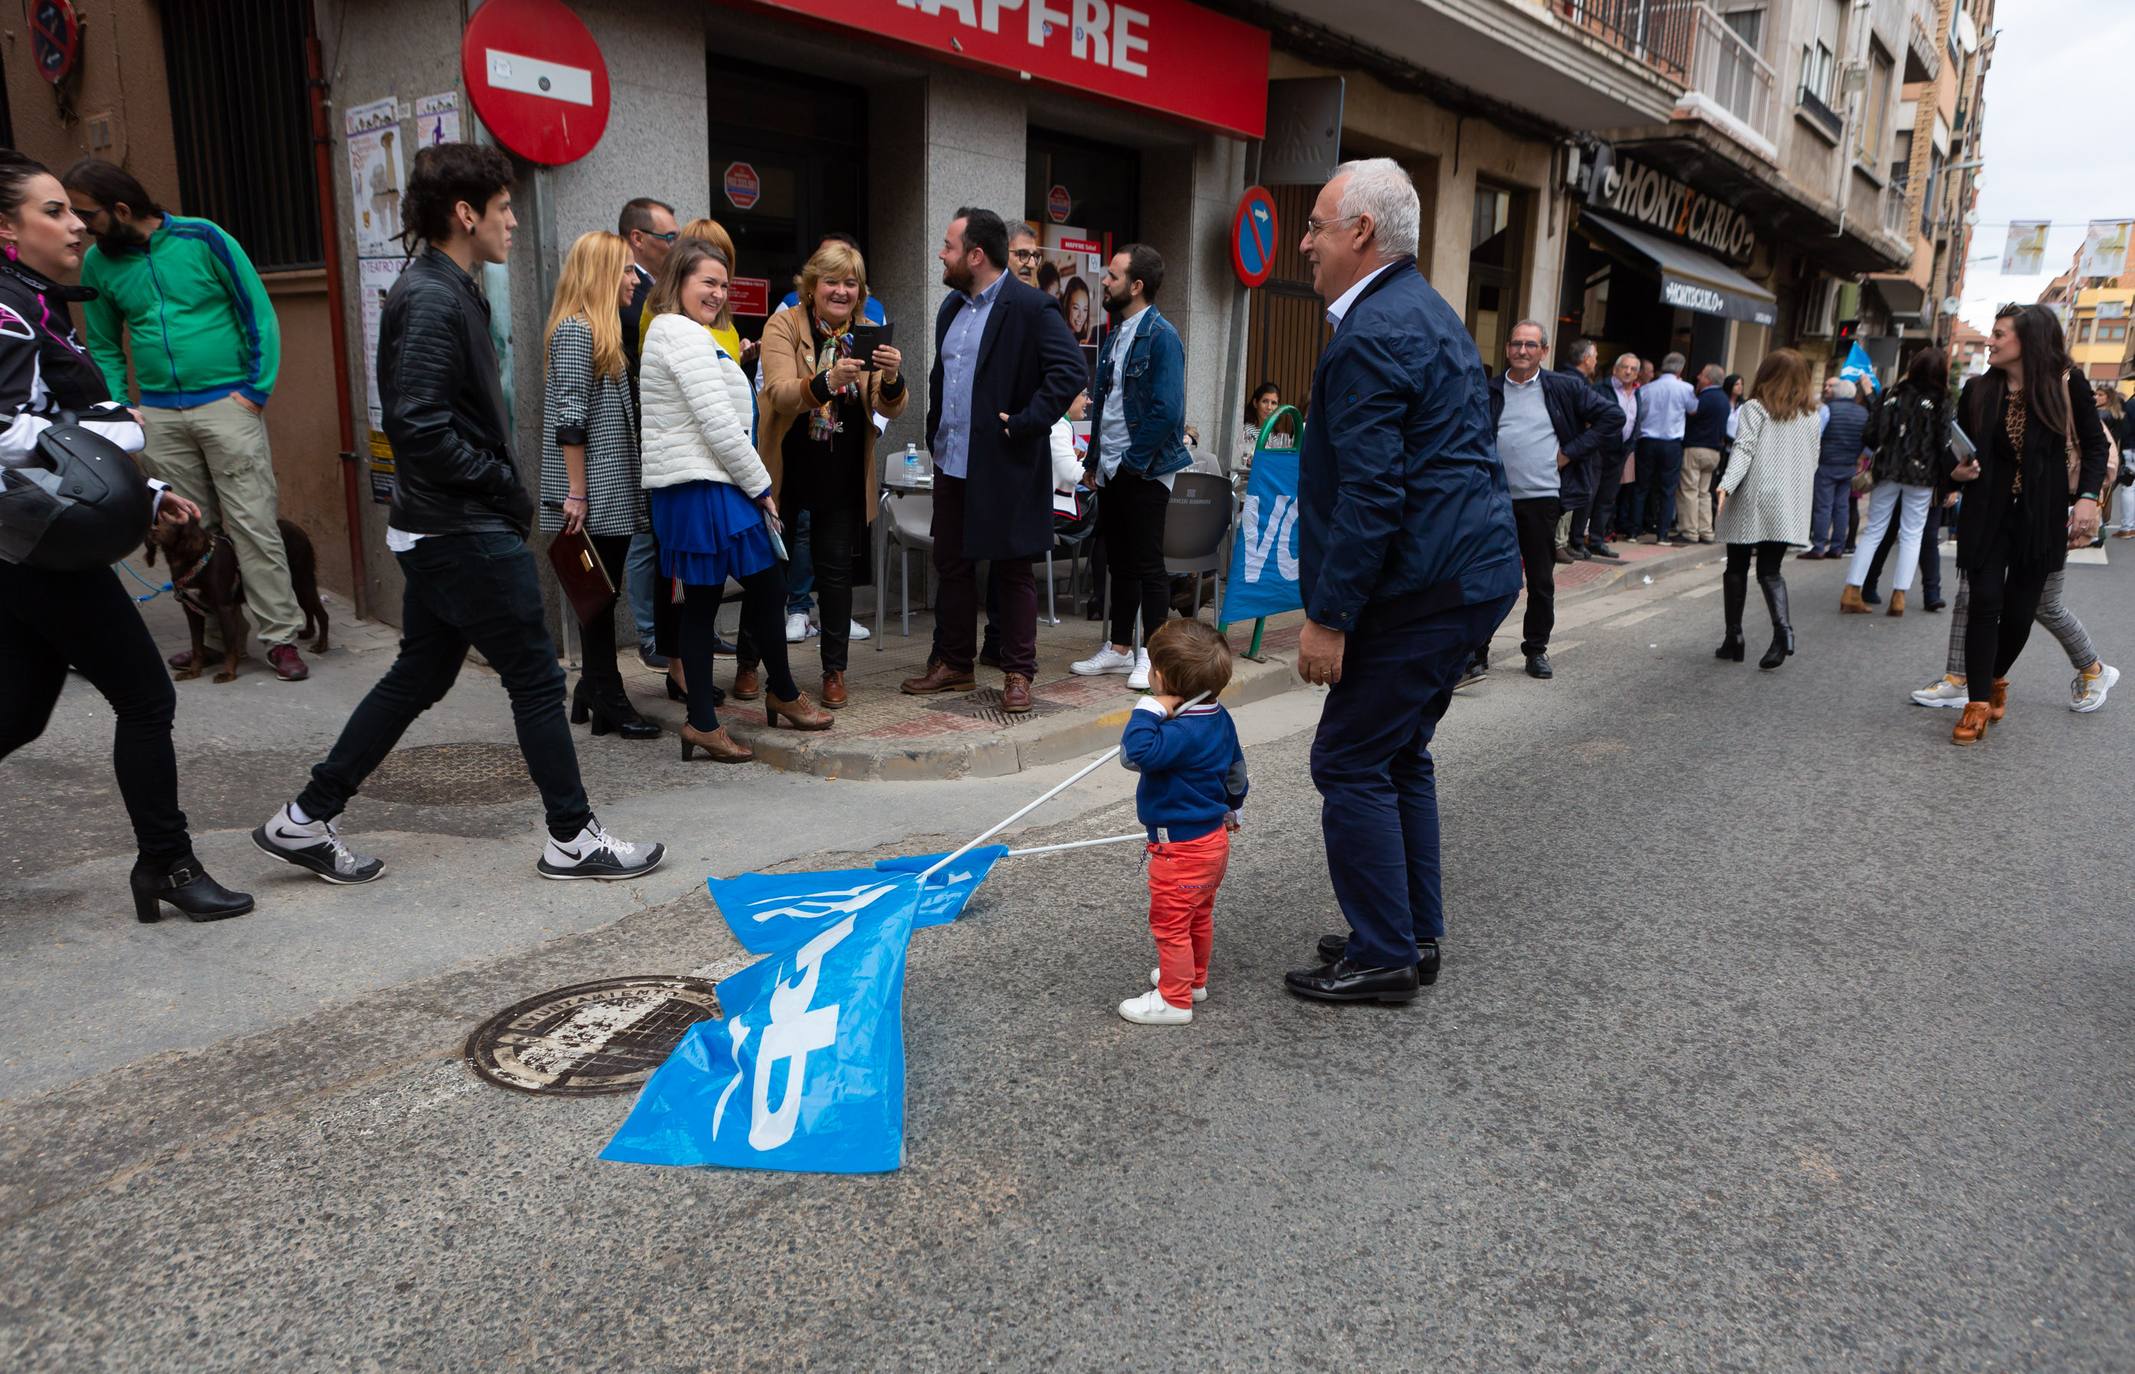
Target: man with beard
(206,348)
(1005,369)
(1137,447)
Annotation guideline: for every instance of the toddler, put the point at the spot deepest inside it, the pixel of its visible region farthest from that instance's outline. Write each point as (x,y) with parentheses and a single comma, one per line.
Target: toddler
(1193,782)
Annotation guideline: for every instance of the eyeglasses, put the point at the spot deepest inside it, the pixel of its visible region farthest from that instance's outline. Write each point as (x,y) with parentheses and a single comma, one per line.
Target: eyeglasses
(1511,344)
(1023,254)
(1315,227)
(669,237)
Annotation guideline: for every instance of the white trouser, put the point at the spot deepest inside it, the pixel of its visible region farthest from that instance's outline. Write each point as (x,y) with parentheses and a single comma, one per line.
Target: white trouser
(1910,503)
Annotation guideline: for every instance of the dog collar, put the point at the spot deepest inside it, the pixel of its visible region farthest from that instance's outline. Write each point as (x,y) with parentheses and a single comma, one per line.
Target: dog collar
(201,566)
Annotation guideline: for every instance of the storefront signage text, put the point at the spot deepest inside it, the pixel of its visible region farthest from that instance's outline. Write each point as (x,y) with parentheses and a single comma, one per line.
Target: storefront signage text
(1166,55)
(1644,196)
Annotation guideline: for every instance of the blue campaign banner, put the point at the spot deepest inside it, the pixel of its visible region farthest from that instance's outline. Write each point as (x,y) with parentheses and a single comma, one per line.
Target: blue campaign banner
(804,1071)
(948,891)
(771,913)
(1858,368)
(1263,578)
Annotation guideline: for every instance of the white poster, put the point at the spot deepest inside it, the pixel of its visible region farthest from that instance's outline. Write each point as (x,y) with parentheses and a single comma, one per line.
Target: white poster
(2025,253)
(374,277)
(437,120)
(2105,248)
(375,176)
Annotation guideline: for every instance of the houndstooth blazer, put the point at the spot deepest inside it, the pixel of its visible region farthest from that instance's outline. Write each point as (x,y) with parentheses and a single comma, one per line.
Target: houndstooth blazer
(578,407)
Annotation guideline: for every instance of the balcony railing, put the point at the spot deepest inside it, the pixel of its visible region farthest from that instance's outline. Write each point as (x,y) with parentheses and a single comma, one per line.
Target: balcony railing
(1826,118)
(1921,37)
(1733,76)
(1659,33)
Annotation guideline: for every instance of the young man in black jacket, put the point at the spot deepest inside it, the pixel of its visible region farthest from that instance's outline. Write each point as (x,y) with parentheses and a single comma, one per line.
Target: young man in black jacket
(458,527)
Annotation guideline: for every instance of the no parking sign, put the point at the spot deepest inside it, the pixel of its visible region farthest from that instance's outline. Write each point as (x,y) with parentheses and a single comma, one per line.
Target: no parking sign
(1253,231)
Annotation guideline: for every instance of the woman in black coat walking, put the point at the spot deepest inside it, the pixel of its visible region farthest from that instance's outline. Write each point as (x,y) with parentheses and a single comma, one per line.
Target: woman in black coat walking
(2031,494)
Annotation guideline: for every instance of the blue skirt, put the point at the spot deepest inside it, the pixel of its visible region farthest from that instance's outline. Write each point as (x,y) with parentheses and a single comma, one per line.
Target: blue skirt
(709,532)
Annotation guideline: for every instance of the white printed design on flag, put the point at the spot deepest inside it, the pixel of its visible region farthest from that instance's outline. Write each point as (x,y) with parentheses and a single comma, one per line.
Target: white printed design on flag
(844,901)
(795,1031)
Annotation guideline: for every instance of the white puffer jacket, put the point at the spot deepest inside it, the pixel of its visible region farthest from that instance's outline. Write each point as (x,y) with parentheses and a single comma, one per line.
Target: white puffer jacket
(695,406)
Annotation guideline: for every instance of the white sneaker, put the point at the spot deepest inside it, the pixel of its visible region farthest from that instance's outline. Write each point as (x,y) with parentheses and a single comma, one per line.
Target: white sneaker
(317,846)
(857,632)
(1106,660)
(1946,691)
(2087,694)
(1150,1009)
(797,627)
(1156,976)
(594,853)
(1138,680)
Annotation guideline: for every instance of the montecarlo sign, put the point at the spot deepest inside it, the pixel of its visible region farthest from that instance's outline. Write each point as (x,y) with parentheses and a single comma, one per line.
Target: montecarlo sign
(1635,192)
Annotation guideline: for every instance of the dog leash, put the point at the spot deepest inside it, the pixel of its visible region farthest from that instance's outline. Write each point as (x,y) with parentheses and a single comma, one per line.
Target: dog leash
(154,591)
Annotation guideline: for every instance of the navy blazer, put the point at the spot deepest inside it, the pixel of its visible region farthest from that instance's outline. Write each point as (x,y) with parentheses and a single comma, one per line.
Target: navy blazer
(1404,509)
(1029,368)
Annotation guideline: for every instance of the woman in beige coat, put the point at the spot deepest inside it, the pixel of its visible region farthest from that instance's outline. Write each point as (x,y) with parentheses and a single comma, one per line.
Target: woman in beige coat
(816,429)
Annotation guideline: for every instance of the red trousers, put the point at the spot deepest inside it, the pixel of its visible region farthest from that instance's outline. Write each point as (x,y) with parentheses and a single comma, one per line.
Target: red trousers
(1183,879)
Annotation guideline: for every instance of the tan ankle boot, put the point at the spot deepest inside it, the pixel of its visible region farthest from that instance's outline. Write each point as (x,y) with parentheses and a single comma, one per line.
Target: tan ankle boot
(1850,603)
(1897,604)
(1972,726)
(1998,700)
(799,713)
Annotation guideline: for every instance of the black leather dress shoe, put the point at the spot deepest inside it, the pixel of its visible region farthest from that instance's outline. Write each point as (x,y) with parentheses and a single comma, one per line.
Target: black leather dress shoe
(1538,666)
(1342,981)
(1333,947)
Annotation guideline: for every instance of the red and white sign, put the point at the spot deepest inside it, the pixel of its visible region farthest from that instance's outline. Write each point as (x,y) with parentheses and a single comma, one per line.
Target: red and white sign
(1166,55)
(536,78)
(743,186)
(750,296)
(1059,204)
(1080,246)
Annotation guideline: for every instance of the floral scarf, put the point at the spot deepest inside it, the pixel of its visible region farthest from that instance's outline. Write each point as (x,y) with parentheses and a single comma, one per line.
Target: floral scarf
(825,422)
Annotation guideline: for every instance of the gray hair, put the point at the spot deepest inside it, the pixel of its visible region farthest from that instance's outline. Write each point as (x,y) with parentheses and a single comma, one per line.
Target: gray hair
(1673,363)
(1381,188)
(1842,389)
(1620,360)
(1711,374)
(1582,349)
(1536,325)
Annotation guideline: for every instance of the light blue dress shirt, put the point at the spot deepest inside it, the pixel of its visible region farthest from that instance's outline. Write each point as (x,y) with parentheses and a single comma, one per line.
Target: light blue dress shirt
(1666,400)
(959,366)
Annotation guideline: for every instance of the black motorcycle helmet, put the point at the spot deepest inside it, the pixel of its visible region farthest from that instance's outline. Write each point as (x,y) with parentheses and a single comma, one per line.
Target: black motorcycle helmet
(81,503)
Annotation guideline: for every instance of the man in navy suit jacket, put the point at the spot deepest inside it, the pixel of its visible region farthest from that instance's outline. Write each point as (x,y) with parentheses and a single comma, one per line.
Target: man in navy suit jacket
(1407,561)
(1005,370)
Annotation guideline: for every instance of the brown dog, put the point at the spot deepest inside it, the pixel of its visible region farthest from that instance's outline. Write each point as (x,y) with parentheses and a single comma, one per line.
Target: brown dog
(204,577)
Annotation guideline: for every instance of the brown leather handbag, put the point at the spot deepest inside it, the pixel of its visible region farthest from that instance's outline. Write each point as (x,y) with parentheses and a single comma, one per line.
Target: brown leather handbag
(584,578)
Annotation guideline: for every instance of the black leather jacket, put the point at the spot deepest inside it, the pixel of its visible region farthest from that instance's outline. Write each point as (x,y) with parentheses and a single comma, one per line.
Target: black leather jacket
(444,407)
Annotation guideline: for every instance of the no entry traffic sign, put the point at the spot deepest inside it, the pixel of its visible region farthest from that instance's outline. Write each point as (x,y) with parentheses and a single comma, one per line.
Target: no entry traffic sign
(536,78)
(743,186)
(1059,204)
(1253,232)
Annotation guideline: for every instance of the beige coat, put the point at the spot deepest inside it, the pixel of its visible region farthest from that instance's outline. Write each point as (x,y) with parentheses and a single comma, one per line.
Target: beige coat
(788,367)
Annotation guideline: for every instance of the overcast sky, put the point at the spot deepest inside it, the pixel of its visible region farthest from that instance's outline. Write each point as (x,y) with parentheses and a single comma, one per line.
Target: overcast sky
(2058,119)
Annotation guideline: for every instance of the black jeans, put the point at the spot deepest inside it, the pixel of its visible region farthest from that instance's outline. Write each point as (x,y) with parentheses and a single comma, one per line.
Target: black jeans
(2004,599)
(1590,518)
(464,590)
(1534,520)
(50,621)
(597,652)
(763,622)
(1132,511)
(836,528)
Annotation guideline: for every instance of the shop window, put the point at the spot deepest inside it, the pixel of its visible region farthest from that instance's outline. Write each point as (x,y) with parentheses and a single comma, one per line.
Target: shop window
(1496,242)
(244,145)
(1100,212)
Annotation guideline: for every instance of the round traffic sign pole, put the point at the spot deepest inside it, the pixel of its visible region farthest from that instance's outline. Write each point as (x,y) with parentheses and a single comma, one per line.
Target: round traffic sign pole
(1253,237)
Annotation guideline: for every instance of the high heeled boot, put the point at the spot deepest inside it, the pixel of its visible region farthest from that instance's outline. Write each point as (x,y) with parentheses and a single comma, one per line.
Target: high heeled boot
(184,884)
(1734,592)
(1775,601)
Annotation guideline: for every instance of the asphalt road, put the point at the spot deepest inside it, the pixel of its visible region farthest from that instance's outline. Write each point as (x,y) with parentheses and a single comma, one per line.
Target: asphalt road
(1775,1034)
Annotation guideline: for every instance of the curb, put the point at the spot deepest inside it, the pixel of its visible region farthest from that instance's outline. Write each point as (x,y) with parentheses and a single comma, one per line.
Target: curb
(1672,561)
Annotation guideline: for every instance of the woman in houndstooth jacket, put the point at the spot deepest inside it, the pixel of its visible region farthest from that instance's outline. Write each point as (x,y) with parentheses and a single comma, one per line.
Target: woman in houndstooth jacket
(1765,497)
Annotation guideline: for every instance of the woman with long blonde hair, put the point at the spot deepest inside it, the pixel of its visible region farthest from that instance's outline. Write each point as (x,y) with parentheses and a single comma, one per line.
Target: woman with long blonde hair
(1765,497)
(590,472)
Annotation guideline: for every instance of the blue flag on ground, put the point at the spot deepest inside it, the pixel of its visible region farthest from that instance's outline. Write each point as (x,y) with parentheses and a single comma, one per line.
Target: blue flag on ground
(771,913)
(949,890)
(805,1071)
(1263,575)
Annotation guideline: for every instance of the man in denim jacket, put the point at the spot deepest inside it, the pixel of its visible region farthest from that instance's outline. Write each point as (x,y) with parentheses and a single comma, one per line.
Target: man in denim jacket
(1137,446)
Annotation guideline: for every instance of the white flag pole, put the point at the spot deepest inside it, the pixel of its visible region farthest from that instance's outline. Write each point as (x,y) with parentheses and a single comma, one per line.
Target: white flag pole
(1051,793)
(1139,837)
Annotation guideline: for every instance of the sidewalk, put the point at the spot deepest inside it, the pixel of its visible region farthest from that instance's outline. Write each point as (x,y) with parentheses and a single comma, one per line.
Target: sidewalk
(884,734)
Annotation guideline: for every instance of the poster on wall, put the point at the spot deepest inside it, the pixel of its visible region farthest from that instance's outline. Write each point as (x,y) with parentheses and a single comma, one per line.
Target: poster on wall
(437,119)
(2105,248)
(375,176)
(2025,253)
(374,278)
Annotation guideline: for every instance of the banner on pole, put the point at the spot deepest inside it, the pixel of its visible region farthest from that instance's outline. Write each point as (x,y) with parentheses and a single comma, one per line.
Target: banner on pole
(946,892)
(805,1070)
(1263,576)
(1860,369)
(2105,248)
(771,913)
(2024,254)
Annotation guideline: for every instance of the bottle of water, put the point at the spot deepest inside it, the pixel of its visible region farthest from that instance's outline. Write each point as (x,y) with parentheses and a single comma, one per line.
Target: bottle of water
(911,465)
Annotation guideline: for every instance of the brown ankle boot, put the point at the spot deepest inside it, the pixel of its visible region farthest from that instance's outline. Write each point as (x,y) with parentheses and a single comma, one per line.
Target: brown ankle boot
(747,685)
(1897,604)
(834,697)
(799,713)
(1998,700)
(1972,726)
(1850,603)
(717,743)
(939,677)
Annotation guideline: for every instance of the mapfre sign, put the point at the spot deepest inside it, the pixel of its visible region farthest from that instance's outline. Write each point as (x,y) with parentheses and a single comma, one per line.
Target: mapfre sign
(1165,55)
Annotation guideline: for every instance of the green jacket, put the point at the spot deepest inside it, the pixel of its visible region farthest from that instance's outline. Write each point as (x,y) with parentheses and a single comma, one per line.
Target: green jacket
(201,322)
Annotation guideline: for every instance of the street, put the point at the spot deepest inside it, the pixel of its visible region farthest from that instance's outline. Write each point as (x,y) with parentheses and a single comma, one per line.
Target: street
(1775,1034)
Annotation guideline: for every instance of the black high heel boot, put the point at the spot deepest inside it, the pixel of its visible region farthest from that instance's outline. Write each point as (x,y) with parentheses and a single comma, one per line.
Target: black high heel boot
(581,703)
(1775,601)
(612,711)
(1734,591)
(185,885)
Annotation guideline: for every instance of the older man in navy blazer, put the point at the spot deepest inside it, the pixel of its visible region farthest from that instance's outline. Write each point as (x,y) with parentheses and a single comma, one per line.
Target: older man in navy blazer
(1407,561)
(1005,370)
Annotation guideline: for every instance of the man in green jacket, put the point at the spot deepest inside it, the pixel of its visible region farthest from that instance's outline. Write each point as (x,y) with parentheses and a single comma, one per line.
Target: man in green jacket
(205,348)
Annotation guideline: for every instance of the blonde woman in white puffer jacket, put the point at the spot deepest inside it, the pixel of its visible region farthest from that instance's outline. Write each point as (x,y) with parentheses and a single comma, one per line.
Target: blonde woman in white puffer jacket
(712,508)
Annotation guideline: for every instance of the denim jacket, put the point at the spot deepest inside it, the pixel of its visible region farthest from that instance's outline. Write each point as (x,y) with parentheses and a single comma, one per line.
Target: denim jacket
(1155,383)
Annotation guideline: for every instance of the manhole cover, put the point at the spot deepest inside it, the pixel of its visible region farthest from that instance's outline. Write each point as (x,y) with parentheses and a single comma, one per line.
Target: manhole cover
(590,1038)
(451,775)
(985,704)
